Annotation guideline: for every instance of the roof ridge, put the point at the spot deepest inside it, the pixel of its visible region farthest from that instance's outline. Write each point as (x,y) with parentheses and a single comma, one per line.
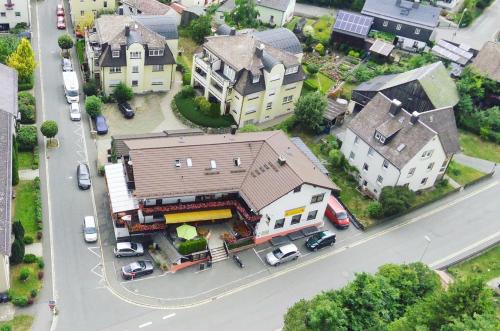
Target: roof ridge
(430,67)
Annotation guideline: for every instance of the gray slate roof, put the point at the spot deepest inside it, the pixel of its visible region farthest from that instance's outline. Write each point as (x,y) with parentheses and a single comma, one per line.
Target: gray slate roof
(281,38)
(223,30)
(165,26)
(424,15)
(375,116)
(8,111)
(310,155)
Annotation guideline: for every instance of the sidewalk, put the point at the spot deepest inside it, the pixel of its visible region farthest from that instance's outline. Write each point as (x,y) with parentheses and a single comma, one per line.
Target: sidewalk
(476,163)
(28,174)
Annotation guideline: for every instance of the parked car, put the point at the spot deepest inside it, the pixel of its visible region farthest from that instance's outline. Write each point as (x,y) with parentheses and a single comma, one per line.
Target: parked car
(66,64)
(60,10)
(83,176)
(89,229)
(336,213)
(320,240)
(61,25)
(283,254)
(74,111)
(137,269)
(101,125)
(128,249)
(126,110)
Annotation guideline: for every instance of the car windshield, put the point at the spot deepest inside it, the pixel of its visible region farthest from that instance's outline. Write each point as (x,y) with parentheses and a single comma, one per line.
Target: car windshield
(278,253)
(133,246)
(342,215)
(317,237)
(141,264)
(90,230)
(72,93)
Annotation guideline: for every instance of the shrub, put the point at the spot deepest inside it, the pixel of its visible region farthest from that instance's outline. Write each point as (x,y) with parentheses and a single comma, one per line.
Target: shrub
(375,210)
(186,92)
(18,230)
(39,235)
(27,137)
(250,128)
(6,327)
(49,129)
(24,274)
(20,301)
(25,84)
(28,240)
(320,49)
(30,258)
(27,113)
(93,106)
(17,252)
(33,293)
(40,263)
(203,104)
(36,158)
(312,68)
(122,93)
(194,245)
(396,200)
(288,124)
(353,53)
(26,98)
(40,275)
(91,88)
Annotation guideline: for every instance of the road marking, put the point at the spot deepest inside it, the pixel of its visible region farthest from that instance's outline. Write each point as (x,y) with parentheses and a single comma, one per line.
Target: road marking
(91,249)
(145,324)
(94,272)
(168,316)
(259,257)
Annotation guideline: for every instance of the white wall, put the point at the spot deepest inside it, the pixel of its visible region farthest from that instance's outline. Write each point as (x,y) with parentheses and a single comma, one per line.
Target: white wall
(4,273)
(20,13)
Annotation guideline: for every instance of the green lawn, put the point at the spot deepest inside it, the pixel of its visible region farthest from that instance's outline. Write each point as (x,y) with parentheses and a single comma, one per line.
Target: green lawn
(187,46)
(189,110)
(24,288)
(432,195)
(291,25)
(463,174)
(486,265)
(25,207)
(473,145)
(80,50)
(25,159)
(19,323)
(319,81)
(323,29)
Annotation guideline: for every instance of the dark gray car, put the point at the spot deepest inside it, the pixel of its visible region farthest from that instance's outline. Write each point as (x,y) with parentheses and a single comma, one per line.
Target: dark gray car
(137,269)
(83,176)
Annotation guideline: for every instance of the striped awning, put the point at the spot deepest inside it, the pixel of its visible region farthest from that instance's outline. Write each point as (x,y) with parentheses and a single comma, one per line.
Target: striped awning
(194,216)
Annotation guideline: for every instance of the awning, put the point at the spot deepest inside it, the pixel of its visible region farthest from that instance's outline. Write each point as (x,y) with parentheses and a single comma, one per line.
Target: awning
(119,194)
(194,216)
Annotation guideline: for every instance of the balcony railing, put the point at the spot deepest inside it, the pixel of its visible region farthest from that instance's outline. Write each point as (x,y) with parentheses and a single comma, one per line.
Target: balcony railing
(219,78)
(202,62)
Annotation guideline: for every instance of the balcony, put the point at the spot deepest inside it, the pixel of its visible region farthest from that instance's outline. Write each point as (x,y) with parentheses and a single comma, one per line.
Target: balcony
(202,62)
(219,77)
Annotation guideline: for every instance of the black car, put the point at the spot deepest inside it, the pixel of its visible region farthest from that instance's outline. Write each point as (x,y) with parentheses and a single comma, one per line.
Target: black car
(137,269)
(320,240)
(83,176)
(126,110)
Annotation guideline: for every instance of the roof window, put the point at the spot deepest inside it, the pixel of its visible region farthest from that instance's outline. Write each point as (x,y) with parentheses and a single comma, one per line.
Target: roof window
(177,163)
(237,162)
(189,162)
(213,165)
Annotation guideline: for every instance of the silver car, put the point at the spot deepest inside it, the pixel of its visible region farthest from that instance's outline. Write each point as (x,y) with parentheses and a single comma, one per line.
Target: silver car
(283,254)
(66,64)
(128,249)
(74,111)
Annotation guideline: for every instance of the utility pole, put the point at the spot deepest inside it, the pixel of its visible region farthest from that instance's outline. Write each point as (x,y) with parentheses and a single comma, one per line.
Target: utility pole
(458,26)
(426,247)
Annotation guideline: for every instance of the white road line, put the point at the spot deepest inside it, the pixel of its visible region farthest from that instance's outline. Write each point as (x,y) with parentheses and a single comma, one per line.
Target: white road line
(168,316)
(145,324)
(259,256)
(95,272)
(91,249)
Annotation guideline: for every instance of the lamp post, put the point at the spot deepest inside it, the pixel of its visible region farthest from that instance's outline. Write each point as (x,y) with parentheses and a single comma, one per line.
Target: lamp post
(426,247)
(459,23)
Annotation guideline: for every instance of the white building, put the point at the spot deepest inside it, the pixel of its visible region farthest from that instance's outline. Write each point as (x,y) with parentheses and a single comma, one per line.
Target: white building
(13,13)
(392,147)
(272,12)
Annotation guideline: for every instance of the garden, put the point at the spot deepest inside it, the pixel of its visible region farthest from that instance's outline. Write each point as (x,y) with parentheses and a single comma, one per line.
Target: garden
(19,323)
(463,174)
(474,146)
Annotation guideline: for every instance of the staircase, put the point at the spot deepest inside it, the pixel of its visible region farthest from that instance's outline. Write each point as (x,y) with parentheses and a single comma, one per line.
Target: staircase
(218,254)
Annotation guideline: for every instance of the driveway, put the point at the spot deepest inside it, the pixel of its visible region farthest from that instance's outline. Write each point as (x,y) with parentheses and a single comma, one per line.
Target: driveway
(312,11)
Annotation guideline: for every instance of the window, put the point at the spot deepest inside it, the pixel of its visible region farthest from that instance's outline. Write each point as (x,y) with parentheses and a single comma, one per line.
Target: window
(237,162)
(382,139)
(273,92)
(380,179)
(18,13)
(443,166)
(398,27)
(427,154)
(417,31)
(255,79)
(430,166)
(269,105)
(178,163)
(352,156)
(370,151)
(297,189)
(296,219)
(157,82)
(115,54)
(365,183)
(251,110)
(386,23)
(365,167)
(2,14)
(291,70)
(135,69)
(385,165)
(290,88)
(135,83)
(213,164)
(189,162)
(356,140)
(229,72)
(279,223)
(105,5)
(158,67)
(135,55)
(114,83)
(82,13)
(317,198)
(288,99)
(423,181)
(114,70)
(411,172)
(156,52)
(312,215)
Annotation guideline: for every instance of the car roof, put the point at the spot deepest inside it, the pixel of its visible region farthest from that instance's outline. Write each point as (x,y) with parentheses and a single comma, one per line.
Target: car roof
(328,233)
(335,204)
(89,219)
(83,166)
(288,248)
(75,105)
(123,245)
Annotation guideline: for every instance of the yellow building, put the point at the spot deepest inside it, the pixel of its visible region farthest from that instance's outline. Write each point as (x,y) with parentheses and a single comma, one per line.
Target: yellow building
(255,77)
(81,10)
(131,50)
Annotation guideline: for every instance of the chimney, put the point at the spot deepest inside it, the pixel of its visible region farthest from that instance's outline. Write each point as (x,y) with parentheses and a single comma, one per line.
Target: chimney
(395,107)
(127,30)
(9,4)
(416,3)
(398,3)
(232,32)
(281,160)
(259,50)
(414,117)
(233,129)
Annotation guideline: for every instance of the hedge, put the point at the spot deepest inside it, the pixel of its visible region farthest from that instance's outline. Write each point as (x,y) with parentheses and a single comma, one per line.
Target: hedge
(189,110)
(38,203)
(27,137)
(192,246)
(24,86)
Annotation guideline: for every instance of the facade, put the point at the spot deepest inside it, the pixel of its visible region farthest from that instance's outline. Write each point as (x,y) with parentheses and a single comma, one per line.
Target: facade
(13,13)
(411,22)
(393,147)
(272,12)
(138,51)
(8,115)
(422,89)
(487,61)
(83,9)
(255,76)
(261,179)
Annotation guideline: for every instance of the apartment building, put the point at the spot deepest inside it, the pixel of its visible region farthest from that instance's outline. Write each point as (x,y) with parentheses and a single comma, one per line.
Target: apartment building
(272,12)
(82,9)
(13,13)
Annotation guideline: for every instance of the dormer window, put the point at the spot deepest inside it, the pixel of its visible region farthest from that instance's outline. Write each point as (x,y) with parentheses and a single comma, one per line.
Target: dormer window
(177,163)
(255,79)
(156,52)
(379,137)
(292,70)
(237,162)
(115,54)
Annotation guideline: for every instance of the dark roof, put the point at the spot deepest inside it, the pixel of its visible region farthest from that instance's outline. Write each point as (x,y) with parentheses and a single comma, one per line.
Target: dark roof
(352,24)
(281,38)
(8,111)
(167,57)
(223,30)
(244,85)
(424,15)
(165,26)
(334,109)
(310,155)
(107,60)
(375,116)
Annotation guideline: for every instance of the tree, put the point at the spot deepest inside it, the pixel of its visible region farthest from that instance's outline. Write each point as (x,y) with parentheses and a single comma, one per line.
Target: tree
(312,68)
(18,230)
(23,60)
(396,199)
(8,45)
(327,314)
(200,28)
(93,106)
(27,137)
(17,252)
(24,274)
(122,93)
(243,15)
(309,111)
(65,42)
(49,129)
(91,87)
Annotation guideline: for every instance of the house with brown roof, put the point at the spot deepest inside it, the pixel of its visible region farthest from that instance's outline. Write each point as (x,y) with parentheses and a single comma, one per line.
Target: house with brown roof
(262,180)
(391,146)
(487,61)
(254,76)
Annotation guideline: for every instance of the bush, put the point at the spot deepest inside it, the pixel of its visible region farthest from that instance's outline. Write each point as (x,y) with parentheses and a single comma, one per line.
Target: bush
(320,49)
(26,98)
(375,210)
(91,88)
(27,137)
(396,200)
(20,301)
(122,93)
(6,327)
(24,274)
(36,158)
(203,104)
(353,53)
(30,258)
(17,252)
(27,113)
(65,42)
(25,84)
(28,240)
(250,128)
(40,263)
(186,92)
(33,293)
(18,230)
(288,124)
(40,275)
(312,68)
(194,245)
(93,106)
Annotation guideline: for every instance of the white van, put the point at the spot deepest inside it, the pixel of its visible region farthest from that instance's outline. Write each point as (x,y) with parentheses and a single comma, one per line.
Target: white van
(89,229)
(71,86)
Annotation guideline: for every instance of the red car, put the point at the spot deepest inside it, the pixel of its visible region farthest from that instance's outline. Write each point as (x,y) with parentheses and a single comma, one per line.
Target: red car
(60,10)
(61,25)
(336,213)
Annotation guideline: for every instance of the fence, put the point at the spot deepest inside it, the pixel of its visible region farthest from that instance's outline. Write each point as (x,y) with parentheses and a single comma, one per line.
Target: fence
(470,256)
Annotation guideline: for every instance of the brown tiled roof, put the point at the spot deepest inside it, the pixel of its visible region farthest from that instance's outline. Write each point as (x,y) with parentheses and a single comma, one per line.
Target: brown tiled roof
(260,179)
(487,61)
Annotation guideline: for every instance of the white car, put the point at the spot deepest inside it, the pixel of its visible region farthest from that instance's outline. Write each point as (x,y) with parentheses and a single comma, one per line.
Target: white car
(283,254)
(74,111)
(89,229)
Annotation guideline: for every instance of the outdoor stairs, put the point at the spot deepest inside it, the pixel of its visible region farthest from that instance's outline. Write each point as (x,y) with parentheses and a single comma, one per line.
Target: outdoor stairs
(218,254)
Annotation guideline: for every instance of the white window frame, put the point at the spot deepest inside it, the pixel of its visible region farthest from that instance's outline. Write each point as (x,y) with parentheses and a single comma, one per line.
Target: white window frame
(135,69)
(310,215)
(424,181)
(288,99)
(137,82)
(411,172)
(115,54)
(385,164)
(291,70)
(417,31)
(135,55)
(385,24)
(365,165)
(370,152)
(157,67)
(156,52)
(255,79)
(380,180)
(115,70)
(398,27)
(430,166)
(269,106)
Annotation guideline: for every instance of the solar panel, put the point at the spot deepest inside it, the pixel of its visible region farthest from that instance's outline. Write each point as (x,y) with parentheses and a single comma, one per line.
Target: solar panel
(353,23)
(454,49)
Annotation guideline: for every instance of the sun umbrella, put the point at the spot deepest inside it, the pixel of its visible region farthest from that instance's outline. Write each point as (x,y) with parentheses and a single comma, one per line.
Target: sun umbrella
(186,231)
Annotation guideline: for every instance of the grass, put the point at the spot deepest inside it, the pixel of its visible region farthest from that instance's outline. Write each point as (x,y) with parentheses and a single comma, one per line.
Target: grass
(291,25)
(19,323)
(23,288)
(25,159)
(486,266)
(187,46)
(25,206)
(189,110)
(319,81)
(439,190)
(323,29)
(463,174)
(473,145)
(80,50)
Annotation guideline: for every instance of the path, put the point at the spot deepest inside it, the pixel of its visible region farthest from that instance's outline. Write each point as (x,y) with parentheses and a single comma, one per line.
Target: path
(476,163)
(28,174)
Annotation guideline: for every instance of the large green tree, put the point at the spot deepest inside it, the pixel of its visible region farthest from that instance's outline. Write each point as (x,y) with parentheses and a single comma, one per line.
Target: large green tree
(49,129)
(93,106)
(8,45)
(309,111)
(243,15)
(65,42)
(200,28)
(23,60)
